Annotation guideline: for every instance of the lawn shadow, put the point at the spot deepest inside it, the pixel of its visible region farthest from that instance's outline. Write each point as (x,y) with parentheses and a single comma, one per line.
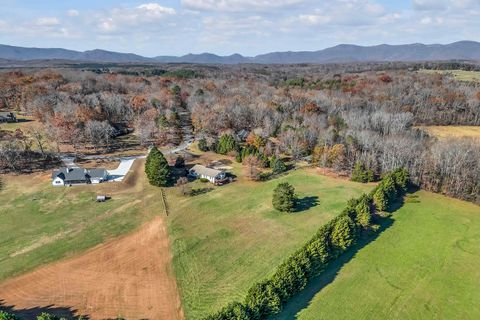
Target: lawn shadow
(32,313)
(199,191)
(400,201)
(305,203)
(316,284)
(23,120)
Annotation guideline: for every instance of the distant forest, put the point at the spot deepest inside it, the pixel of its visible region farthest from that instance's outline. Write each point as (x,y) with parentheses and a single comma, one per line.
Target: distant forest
(342,115)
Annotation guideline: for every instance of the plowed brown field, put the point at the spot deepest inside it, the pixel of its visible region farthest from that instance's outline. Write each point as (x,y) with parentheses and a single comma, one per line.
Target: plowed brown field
(130,277)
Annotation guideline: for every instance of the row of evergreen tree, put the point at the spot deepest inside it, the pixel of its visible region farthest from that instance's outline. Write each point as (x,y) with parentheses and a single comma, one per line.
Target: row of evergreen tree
(43,316)
(331,240)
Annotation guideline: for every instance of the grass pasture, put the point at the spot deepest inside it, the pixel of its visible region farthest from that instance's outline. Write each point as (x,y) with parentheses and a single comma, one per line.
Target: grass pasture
(226,238)
(24,123)
(460,75)
(445,132)
(423,266)
(41,224)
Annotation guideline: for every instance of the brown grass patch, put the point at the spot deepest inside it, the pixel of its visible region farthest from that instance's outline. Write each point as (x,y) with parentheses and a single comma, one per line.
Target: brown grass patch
(130,277)
(445,132)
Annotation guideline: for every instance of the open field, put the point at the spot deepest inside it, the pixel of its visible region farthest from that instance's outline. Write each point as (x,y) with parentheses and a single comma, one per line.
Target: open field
(226,238)
(444,132)
(40,224)
(24,123)
(424,266)
(460,75)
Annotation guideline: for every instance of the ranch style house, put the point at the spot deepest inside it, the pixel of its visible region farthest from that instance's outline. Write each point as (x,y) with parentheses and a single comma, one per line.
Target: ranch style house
(213,175)
(72,176)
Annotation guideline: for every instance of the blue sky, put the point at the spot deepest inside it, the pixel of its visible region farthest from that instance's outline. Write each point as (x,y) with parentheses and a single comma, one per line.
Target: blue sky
(249,27)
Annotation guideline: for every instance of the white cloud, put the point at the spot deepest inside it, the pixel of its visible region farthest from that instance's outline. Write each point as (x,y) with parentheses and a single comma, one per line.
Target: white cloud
(155,9)
(238,5)
(311,19)
(127,17)
(344,12)
(73,13)
(47,22)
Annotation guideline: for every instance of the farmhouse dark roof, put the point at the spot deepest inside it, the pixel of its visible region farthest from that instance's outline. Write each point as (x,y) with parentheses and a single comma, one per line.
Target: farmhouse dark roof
(70,174)
(78,174)
(97,173)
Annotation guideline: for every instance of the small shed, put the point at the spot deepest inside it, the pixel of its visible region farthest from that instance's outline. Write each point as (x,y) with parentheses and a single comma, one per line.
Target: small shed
(101,198)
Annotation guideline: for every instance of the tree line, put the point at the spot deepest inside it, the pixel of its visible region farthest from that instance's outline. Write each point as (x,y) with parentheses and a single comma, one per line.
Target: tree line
(341,114)
(267,297)
(43,316)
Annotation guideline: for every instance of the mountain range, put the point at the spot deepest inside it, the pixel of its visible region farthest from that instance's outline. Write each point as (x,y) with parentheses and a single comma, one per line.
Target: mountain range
(462,50)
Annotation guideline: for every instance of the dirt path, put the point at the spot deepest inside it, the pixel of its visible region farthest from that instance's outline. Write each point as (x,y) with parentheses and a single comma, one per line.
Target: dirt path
(130,277)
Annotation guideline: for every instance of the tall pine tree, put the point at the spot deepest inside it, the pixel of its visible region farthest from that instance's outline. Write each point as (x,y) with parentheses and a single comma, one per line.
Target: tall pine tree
(156,168)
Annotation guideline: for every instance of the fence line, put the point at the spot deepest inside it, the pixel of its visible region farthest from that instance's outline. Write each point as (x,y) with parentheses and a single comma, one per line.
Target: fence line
(164,200)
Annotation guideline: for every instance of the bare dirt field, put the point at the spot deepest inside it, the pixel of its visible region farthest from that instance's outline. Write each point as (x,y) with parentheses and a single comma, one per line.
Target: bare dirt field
(130,277)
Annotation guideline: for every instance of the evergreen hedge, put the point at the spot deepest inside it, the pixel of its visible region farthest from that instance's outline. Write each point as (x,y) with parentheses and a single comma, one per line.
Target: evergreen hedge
(331,240)
(362,174)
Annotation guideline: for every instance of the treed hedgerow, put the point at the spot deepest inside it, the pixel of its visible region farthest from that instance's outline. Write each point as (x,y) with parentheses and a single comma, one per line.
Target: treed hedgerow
(267,297)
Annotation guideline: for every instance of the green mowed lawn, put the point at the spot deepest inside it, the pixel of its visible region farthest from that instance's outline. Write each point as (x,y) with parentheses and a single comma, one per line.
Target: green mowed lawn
(40,223)
(226,239)
(426,265)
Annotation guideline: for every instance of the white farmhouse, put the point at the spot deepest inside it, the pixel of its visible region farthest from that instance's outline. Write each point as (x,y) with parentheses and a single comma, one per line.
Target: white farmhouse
(212,175)
(72,176)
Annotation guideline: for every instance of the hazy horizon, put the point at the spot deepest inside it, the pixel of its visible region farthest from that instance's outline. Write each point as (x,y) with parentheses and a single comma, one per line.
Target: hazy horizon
(246,56)
(224,27)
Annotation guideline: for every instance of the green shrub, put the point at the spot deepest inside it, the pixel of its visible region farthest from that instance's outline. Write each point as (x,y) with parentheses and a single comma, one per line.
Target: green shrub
(362,174)
(202,145)
(277,165)
(204,180)
(8,316)
(48,316)
(401,178)
(343,233)
(226,144)
(234,311)
(262,299)
(284,198)
(380,199)
(363,212)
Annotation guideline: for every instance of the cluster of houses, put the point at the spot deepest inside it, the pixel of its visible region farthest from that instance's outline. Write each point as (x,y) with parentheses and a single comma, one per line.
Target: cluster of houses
(76,176)
(8,117)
